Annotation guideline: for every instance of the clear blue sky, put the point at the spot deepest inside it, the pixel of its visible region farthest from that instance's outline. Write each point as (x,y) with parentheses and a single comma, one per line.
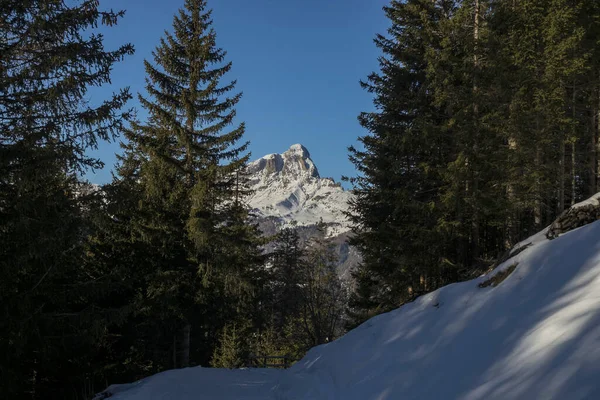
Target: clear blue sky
(298,63)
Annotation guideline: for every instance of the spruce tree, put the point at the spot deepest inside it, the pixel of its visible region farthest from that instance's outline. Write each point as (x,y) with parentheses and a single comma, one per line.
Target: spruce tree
(467,81)
(285,277)
(322,293)
(230,352)
(51,327)
(547,121)
(486,129)
(397,204)
(190,170)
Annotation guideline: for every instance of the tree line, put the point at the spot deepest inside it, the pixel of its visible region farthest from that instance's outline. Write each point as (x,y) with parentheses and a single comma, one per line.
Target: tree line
(164,267)
(486,127)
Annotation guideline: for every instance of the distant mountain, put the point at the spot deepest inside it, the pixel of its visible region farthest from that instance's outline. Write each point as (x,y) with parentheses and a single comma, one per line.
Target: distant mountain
(289,190)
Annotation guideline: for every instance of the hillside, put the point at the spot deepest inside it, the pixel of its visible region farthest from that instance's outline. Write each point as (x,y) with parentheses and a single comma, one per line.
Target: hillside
(536,335)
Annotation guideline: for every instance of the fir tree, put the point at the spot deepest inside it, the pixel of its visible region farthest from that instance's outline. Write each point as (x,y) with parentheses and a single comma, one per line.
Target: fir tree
(190,171)
(466,79)
(486,129)
(396,209)
(230,352)
(323,296)
(285,277)
(51,56)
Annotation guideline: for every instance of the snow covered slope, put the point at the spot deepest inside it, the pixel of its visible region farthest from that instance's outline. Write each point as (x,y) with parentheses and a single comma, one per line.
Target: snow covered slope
(536,335)
(288,187)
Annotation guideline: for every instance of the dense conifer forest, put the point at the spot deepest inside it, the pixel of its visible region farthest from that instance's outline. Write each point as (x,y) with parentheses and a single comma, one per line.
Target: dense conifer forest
(486,128)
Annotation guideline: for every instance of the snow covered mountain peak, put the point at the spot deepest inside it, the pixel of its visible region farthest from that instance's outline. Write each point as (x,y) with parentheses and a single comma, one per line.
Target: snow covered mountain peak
(288,187)
(294,164)
(298,149)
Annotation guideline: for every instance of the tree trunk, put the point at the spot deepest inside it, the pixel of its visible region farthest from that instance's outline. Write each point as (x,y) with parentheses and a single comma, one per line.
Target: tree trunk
(561,178)
(511,220)
(174,351)
(597,141)
(475,189)
(573,149)
(184,355)
(537,201)
(573,174)
(593,158)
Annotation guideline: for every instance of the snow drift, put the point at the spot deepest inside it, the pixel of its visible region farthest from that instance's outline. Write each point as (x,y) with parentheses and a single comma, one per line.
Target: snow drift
(536,335)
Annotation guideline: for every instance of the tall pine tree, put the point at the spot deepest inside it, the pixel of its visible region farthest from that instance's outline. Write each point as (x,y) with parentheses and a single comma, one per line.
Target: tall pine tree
(397,205)
(486,129)
(190,171)
(51,328)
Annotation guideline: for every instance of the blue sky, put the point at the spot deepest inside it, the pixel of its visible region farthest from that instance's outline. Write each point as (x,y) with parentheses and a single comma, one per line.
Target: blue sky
(298,63)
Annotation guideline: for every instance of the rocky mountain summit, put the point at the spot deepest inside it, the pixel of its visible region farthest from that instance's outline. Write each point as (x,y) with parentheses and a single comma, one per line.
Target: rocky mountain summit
(288,187)
(289,191)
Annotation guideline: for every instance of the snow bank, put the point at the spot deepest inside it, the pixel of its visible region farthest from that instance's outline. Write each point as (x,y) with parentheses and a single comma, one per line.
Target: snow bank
(534,336)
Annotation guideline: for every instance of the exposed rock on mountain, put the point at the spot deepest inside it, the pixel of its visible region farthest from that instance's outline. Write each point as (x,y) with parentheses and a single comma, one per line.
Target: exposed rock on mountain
(288,190)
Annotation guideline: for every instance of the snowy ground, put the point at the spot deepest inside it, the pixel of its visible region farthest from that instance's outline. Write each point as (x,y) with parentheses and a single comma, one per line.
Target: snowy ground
(534,336)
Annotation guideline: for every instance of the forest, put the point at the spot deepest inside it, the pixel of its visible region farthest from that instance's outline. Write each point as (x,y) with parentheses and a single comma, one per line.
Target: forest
(486,127)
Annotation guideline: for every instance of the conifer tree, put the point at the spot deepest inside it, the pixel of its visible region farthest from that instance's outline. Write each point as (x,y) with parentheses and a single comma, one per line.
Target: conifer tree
(190,170)
(397,205)
(486,129)
(285,277)
(323,296)
(467,80)
(230,352)
(50,322)
(547,120)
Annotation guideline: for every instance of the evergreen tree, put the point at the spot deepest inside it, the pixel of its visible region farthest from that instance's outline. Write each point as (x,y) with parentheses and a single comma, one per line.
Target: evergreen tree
(589,105)
(397,203)
(467,78)
(52,323)
(486,129)
(323,296)
(547,122)
(230,352)
(285,277)
(306,298)
(191,214)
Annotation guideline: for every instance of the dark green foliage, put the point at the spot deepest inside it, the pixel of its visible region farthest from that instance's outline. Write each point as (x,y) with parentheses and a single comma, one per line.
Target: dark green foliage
(307,298)
(285,277)
(322,293)
(230,352)
(183,187)
(484,132)
(397,209)
(53,316)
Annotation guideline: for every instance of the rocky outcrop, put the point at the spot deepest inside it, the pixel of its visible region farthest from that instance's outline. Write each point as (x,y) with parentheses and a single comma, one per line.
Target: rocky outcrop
(576,216)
